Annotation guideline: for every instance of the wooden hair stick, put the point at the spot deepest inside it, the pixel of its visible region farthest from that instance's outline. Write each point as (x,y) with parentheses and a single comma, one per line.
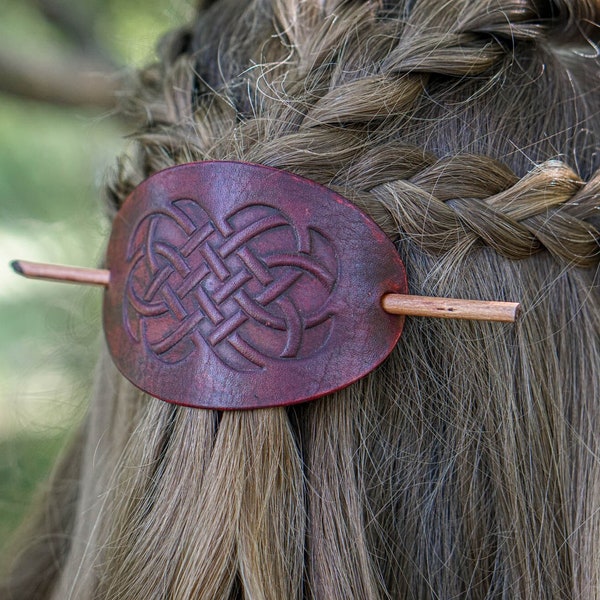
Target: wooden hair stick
(398,304)
(450,308)
(61,273)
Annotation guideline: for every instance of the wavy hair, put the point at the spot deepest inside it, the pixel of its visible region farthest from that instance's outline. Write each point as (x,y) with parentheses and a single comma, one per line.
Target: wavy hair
(467,465)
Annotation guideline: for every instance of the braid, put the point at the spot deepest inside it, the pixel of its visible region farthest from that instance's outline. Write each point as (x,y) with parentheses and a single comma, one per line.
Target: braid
(473,199)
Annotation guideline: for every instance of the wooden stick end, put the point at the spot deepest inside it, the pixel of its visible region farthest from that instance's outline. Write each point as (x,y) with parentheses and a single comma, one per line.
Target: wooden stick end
(61,273)
(451,308)
(17,267)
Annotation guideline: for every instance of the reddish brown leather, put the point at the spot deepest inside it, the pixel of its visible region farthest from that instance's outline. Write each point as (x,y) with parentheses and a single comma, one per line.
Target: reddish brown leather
(237,286)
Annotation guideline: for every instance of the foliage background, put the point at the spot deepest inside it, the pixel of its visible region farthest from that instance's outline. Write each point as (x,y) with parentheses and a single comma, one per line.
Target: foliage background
(54,150)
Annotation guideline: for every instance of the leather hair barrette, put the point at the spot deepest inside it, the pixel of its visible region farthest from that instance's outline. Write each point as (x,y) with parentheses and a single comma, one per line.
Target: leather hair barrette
(236,286)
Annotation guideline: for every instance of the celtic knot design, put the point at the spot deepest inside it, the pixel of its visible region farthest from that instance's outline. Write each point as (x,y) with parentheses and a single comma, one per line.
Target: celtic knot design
(250,286)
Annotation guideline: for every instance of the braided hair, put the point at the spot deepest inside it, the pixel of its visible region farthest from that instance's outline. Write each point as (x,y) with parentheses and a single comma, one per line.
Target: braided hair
(466,466)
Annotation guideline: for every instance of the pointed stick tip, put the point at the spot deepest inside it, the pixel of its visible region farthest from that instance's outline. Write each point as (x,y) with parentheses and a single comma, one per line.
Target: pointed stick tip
(16,266)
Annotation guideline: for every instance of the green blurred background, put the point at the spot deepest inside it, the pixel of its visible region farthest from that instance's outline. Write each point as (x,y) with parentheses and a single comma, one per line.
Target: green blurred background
(55,146)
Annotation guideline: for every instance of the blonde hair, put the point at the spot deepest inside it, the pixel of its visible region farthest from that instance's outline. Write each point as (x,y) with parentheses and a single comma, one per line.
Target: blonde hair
(467,464)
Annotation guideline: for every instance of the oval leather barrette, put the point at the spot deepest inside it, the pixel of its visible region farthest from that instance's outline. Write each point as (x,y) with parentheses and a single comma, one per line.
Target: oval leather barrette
(236,286)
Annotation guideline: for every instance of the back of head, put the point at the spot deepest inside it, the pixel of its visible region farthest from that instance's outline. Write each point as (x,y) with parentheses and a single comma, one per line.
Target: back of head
(466,465)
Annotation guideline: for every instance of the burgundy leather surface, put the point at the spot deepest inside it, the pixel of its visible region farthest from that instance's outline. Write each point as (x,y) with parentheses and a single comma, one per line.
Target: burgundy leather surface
(237,286)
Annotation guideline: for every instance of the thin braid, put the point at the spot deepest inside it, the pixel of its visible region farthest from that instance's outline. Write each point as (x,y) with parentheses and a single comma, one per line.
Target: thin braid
(461,200)
(450,203)
(481,35)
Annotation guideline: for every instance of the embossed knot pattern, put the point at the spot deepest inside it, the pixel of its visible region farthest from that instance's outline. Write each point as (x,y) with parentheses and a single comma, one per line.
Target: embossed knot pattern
(250,287)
